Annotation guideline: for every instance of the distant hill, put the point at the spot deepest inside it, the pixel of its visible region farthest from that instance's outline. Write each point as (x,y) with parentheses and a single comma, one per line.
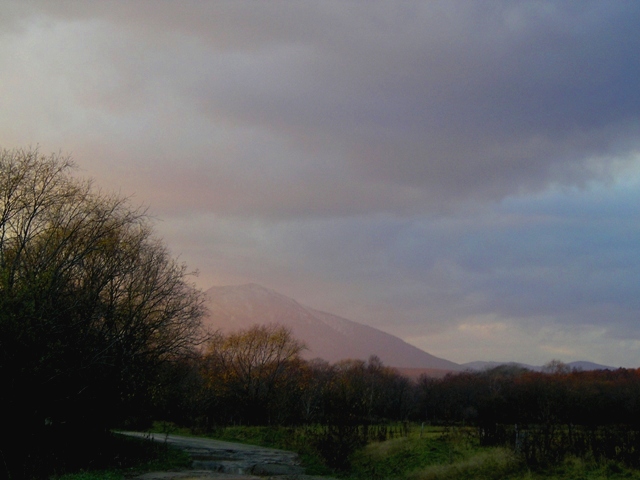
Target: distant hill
(582,365)
(479,366)
(579,365)
(327,336)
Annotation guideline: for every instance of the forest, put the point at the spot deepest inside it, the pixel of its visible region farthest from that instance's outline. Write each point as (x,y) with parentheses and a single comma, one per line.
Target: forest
(257,377)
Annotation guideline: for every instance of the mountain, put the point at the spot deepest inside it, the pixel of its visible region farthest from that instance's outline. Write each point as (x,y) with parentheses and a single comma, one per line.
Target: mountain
(582,365)
(327,336)
(579,365)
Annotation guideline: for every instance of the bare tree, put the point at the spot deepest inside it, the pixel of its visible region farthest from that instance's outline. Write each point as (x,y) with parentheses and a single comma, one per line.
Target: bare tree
(90,299)
(252,365)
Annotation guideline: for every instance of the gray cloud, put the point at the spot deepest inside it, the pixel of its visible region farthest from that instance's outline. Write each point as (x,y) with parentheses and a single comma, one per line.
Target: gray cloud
(519,260)
(401,107)
(437,169)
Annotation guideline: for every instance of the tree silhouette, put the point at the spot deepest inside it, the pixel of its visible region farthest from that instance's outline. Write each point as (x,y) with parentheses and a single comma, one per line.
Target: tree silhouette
(90,301)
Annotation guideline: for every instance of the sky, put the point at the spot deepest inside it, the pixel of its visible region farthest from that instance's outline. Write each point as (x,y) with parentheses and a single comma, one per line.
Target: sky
(464,175)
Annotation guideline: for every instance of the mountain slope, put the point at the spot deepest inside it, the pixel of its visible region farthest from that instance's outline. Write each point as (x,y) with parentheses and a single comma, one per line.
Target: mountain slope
(327,336)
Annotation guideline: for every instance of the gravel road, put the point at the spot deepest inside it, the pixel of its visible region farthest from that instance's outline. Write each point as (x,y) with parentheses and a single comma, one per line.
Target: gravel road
(227,460)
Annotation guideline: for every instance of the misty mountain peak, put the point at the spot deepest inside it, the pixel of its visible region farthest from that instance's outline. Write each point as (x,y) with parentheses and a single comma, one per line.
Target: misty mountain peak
(328,336)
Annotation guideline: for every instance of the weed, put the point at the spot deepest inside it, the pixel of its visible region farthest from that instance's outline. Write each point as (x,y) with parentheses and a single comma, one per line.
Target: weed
(489,464)
(121,455)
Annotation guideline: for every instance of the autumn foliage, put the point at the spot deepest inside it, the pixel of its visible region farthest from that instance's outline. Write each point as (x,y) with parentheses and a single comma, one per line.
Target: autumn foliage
(257,377)
(253,374)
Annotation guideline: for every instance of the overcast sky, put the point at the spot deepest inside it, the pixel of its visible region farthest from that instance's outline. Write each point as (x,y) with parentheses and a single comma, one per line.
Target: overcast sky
(462,174)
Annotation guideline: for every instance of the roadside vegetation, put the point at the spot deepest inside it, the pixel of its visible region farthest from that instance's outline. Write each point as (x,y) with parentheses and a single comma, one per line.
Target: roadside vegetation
(421,453)
(115,457)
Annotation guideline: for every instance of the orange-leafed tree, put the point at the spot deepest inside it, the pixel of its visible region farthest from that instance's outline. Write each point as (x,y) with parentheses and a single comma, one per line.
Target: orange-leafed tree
(249,369)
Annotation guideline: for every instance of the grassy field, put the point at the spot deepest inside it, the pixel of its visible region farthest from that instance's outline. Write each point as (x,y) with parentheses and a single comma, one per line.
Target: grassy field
(456,454)
(425,454)
(429,454)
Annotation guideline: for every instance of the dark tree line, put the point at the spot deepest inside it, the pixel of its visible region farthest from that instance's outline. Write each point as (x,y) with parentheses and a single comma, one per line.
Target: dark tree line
(544,416)
(91,306)
(510,395)
(257,377)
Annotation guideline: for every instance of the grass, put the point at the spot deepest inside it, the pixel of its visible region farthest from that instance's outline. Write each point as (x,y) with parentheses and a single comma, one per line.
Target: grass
(404,457)
(127,456)
(417,455)
(434,453)
(95,475)
(393,458)
(493,463)
(584,469)
(456,454)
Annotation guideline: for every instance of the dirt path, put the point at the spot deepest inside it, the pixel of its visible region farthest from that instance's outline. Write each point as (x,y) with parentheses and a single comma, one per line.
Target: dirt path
(227,460)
